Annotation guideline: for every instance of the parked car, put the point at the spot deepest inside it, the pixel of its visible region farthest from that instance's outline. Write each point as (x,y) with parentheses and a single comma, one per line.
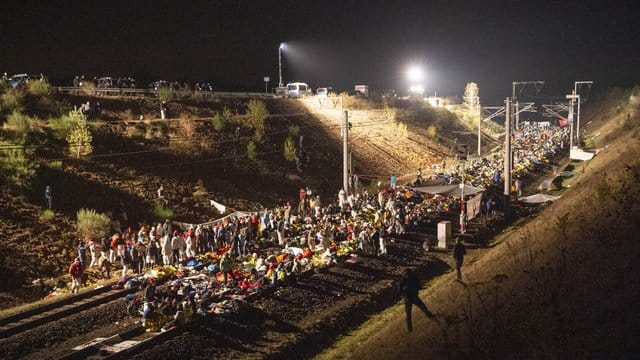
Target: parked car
(104,82)
(389,94)
(18,80)
(298,89)
(323,91)
(203,87)
(125,82)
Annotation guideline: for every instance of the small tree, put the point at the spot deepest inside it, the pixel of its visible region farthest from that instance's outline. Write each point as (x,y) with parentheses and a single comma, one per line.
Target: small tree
(218,122)
(62,126)
(166,94)
(162,212)
(16,167)
(19,124)
(471,95)
(251,150)
(256,115)
(432,132)
(11,100)
(80,138)
(227,114)
(402,128)
(290,148)
(348,101)
(91,223)
(38,88)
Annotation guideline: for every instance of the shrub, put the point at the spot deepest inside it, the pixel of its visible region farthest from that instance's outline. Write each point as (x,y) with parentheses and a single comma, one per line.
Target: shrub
(228,115)
(162,212)
(11,100)
(19,124)
(432,132)
(38,88)
(348,101)
(218,122)
(55,164)
(251,150)
(47,215)
(166,94)
(63,125)
(256,115)
(402,128)
(188,127)
(290,148)
(16,167)
(91,223)
(59,108)
(80,138)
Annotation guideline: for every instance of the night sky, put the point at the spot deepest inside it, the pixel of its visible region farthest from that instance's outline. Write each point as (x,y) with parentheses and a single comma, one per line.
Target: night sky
(234,44)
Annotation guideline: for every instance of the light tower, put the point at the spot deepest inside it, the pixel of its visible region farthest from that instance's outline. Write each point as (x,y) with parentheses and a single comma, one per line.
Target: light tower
(280,49)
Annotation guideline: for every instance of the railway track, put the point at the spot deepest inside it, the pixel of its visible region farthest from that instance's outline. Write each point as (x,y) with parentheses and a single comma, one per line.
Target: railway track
(122,345)
(55,310)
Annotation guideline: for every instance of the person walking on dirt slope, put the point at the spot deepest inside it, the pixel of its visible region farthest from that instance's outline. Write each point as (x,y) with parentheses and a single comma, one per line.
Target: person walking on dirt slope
(459,251)
(409,287)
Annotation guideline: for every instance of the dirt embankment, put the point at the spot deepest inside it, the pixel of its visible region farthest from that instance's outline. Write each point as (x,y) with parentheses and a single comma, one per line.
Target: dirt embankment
(561,285)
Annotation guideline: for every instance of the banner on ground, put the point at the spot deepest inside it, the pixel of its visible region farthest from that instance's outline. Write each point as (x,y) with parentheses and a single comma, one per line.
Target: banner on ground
(221,208)
(235,214)
(448,190)
(538,198)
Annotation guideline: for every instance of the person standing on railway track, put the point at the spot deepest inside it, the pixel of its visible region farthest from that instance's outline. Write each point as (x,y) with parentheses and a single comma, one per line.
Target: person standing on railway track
(76,271)
(82,252)
(409,288)
(165,245)
(177,246)
(105,244)
(105,267)
(126,260)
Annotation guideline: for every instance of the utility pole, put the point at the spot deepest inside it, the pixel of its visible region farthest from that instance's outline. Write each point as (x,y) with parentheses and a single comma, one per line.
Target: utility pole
(479,125)
(575,89)
(345,152)
(571,97)
(463,209)
(517,115)
(280,48)
(507,154)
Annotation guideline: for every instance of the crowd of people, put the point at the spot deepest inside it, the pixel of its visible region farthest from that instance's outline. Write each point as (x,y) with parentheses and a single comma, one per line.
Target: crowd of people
(240,254)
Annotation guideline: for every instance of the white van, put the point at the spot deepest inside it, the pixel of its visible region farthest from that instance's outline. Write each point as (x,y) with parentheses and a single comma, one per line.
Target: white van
(322,92)
(298,89)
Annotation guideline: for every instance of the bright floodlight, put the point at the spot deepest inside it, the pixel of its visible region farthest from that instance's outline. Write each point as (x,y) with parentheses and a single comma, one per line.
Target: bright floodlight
(415,73)
(283,46)
(416,89)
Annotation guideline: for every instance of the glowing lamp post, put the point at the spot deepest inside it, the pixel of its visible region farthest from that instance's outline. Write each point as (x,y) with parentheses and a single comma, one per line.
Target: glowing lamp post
(280,49)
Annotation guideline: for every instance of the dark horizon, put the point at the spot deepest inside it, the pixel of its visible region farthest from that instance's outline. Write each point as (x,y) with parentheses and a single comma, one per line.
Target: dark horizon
(330,43)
